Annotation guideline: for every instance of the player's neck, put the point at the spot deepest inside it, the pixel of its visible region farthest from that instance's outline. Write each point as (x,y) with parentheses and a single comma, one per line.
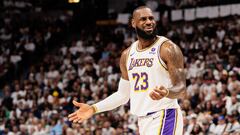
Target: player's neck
(145,43)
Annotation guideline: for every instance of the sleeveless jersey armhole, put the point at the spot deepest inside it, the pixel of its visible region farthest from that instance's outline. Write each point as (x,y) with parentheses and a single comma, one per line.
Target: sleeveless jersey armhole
(164,65)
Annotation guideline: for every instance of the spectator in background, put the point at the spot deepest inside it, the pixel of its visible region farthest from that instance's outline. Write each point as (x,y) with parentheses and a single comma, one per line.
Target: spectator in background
(133,4)
(213,76)
(220,128)
(152,4)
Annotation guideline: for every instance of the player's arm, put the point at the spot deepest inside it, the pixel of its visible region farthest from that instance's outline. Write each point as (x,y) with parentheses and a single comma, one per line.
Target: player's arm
(121,96)
(171,54)
(123,64)
(123,93)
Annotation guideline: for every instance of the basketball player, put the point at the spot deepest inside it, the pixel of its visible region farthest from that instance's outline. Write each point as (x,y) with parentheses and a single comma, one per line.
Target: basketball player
(152,77)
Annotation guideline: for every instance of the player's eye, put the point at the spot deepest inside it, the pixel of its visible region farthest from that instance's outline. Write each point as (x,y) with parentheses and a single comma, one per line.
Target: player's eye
(143,19)
(151,18)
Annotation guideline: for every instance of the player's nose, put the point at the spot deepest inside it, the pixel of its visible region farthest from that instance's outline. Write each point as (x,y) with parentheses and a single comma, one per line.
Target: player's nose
(149,22)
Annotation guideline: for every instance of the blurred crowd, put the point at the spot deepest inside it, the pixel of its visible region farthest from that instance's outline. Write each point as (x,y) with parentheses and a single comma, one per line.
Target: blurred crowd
(160,5)
(86,68)
(213,72)
(25,36)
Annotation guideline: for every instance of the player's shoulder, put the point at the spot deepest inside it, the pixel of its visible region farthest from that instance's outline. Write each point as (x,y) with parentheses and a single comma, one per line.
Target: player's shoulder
(169,46)
(125,52)
(170,50)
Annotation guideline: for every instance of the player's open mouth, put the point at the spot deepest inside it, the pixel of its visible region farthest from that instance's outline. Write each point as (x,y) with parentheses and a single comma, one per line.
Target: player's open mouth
(149,28)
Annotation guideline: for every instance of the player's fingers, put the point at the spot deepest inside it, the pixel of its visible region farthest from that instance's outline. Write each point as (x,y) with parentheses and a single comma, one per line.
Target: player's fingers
(155,95)
(156,88)
(161,87)
(151,95)
(165,92)
(73,118)
(162,92)
(76,120)
(77,103)
(81,120)
(72,114)
(157,91)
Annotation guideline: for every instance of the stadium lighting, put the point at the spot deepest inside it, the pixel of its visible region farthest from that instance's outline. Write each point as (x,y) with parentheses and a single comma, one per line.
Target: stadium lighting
(73,1)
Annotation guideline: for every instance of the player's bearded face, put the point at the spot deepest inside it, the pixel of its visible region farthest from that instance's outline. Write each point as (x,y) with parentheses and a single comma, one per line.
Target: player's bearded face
(146,35)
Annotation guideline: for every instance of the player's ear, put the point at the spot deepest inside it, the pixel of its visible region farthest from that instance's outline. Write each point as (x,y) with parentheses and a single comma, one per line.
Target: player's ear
(133,23)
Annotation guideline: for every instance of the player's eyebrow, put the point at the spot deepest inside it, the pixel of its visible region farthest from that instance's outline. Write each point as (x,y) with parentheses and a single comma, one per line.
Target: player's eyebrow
(145,17)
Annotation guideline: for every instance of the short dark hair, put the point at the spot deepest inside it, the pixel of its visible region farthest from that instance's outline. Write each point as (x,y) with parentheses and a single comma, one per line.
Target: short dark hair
(140,7)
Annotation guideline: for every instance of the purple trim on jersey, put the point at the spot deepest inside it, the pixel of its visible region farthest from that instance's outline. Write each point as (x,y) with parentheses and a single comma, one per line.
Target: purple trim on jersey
(169,124)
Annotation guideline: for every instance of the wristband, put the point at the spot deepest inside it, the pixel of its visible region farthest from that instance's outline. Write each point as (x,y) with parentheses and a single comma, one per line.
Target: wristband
(167,92)
(94,109)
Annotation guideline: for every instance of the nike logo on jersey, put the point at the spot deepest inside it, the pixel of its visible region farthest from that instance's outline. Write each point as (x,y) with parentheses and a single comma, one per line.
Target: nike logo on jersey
(148,62)
(132,54)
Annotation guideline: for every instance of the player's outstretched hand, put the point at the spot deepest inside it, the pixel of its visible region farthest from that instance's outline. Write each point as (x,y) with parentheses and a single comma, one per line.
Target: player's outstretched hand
(84,112)
(158,93)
